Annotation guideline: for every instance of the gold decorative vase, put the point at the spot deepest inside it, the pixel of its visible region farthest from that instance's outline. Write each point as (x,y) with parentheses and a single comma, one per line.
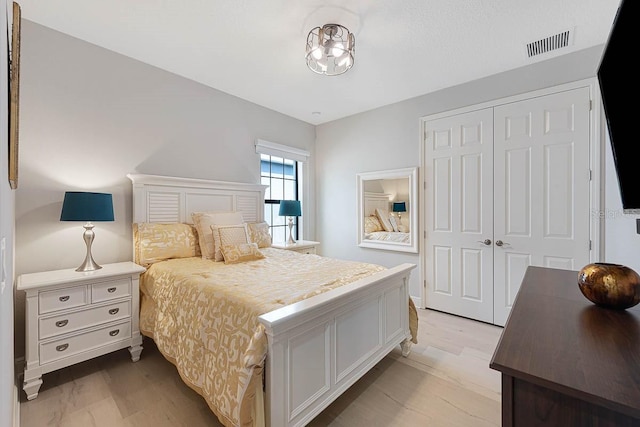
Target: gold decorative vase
(610,285)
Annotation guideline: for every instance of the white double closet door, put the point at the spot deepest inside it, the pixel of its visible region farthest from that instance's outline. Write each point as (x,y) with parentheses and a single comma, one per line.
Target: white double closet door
(506,187)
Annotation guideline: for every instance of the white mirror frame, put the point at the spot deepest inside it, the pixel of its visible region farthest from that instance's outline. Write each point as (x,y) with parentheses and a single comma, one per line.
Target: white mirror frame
(412,175)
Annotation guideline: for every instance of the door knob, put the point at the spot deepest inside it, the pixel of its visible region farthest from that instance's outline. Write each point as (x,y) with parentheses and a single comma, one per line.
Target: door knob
(501,243)
(485,242)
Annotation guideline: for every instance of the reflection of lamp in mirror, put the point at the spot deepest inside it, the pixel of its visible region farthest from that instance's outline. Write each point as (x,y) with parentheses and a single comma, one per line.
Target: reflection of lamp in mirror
(290,208)
(399,207)
(82,206)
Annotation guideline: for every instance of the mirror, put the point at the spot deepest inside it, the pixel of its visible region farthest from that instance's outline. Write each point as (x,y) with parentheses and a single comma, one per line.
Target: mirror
(388,210)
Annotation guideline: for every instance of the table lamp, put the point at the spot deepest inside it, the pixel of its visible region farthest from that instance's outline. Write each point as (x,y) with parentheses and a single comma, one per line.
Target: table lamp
(88,207)
(399,207)
(290,208)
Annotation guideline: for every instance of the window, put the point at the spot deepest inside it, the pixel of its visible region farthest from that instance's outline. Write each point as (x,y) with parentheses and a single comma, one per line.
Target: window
(281,168)
(281,175)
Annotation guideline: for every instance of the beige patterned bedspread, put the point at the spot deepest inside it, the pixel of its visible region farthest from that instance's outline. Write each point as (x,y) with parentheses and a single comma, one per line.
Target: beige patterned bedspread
(203,316)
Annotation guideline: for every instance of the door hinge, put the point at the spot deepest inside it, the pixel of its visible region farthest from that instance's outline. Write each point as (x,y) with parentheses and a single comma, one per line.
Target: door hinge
(590,244)
(590,175)
(590,104)
(424,234)
(424,185)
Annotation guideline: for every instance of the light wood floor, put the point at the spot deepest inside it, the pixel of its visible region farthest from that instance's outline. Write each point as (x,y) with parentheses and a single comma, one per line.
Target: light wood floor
(446,381)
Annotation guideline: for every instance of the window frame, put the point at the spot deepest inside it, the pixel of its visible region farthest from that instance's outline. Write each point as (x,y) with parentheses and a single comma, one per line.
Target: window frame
(271,202)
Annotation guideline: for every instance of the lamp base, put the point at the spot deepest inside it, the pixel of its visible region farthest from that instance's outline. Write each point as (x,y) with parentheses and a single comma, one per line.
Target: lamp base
(291,241)
(89,264)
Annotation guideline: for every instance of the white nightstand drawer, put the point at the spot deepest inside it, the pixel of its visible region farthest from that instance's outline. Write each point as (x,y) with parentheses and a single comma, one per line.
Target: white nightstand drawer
(61,299)
(64,323)
(306,251)
(110,290)
(66,347)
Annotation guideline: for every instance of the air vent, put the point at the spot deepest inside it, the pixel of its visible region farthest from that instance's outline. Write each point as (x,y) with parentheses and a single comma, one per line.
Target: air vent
(550,43)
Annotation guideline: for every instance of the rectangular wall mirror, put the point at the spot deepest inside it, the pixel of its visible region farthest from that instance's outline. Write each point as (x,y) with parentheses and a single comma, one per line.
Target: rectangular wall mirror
(388,210)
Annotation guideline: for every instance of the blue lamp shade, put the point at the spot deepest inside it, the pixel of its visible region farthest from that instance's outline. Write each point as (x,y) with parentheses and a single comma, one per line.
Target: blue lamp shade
(83,206)
(399,207)
(290,208)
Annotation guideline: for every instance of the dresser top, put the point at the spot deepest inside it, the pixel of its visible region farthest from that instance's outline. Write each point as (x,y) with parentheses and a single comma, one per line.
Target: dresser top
(70,275)
(558,339)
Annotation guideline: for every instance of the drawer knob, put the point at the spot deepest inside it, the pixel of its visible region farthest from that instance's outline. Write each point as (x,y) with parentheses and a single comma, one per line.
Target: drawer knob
(61,323)
(114,332)
(64,298)
(111,290)
(62,347)
(114,311)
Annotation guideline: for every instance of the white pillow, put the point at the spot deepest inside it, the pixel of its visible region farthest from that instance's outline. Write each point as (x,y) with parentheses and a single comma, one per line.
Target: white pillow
(394,223)
(203,221)
(383,216)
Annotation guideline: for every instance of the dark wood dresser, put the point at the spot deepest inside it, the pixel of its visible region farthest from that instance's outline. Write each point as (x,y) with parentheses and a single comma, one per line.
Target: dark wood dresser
(565,361)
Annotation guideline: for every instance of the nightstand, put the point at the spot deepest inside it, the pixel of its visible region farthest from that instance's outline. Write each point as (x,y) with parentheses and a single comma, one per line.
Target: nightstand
(75,316)
(302,246)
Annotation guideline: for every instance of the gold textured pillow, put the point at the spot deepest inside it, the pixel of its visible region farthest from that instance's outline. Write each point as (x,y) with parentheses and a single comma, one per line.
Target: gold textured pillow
(383,216)
(155,242)
(371,224)
(259,233)
(203,221)
(228,235)
(234,254)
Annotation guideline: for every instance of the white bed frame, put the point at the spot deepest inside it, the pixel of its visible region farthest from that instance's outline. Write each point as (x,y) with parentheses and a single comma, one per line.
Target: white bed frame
(318,347)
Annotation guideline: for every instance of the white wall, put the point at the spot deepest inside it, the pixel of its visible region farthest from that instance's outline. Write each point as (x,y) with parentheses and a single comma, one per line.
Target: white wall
(622,243)
(389,138)
(89,116)
(7,380)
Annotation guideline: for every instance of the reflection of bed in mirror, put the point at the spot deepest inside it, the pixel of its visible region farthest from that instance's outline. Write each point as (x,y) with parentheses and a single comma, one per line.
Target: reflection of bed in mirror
(376,210)
(386,215)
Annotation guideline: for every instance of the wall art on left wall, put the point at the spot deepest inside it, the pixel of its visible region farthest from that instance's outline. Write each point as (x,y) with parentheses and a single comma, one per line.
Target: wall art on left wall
(14,104)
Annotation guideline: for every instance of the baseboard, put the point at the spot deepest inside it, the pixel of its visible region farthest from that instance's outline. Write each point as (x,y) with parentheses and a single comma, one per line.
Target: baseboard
(416,301)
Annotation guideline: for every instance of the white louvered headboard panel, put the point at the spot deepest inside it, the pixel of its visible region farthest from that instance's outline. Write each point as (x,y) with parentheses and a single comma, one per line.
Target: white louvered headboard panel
(170,199)
(375,200)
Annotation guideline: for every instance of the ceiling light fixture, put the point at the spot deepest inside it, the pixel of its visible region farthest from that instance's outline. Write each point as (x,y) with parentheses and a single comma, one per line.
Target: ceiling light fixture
(330,49)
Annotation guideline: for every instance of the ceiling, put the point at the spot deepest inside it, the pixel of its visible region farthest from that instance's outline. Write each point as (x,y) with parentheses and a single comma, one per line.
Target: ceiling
(254,49)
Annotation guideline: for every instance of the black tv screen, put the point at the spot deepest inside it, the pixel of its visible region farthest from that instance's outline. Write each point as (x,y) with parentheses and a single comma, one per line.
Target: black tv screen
(617,77)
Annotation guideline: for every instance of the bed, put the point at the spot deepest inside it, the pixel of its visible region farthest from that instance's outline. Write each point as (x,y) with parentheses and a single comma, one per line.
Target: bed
(269,341)
(379,224)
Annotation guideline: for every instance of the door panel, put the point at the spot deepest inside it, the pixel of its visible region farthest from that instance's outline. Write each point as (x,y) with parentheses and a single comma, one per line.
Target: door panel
(459,198)
(541,183)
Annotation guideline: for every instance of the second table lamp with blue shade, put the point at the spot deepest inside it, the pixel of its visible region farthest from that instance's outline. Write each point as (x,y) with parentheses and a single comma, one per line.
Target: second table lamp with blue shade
(290,208)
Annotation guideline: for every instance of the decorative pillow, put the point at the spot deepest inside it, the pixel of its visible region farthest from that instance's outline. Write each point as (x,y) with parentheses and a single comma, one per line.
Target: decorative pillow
(203,222)
(155,242)
(394,223)
(228,235)
(259,233)
(383,216)
(232,234)
(234,254)
(371,224)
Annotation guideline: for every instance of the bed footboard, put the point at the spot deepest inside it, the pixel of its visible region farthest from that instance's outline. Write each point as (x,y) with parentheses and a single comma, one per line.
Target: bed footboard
(320,346)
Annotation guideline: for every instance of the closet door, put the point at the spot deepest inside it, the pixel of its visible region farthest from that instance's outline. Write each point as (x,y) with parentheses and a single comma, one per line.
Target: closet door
(458,207)
(541,189)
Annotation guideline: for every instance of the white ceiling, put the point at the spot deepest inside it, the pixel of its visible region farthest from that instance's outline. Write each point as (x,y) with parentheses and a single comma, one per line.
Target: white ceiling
(254,49)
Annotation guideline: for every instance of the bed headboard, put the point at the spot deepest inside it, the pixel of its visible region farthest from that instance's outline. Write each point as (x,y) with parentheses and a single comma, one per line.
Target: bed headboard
(169,199)
(375,200)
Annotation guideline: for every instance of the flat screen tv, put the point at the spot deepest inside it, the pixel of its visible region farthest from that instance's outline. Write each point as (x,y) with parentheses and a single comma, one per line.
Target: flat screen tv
(617,77)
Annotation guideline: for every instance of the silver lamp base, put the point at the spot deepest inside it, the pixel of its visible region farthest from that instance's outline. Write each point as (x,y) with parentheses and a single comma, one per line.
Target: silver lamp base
(291,241)
(89,264)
